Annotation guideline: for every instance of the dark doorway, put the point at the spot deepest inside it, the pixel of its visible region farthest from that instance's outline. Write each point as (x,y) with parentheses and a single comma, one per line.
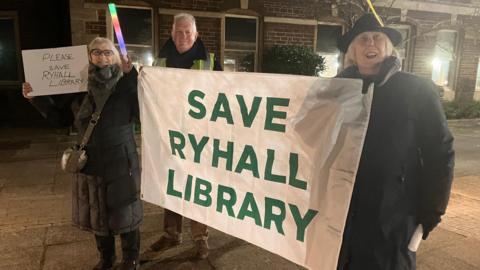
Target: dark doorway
(28,24)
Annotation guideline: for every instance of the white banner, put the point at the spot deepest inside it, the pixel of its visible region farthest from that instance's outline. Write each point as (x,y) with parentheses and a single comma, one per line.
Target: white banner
(270,159)
(56,70)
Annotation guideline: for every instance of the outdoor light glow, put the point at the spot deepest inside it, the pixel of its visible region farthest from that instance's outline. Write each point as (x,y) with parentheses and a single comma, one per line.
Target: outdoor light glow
(116,26)
(336,64)
(436,63)
(149,59)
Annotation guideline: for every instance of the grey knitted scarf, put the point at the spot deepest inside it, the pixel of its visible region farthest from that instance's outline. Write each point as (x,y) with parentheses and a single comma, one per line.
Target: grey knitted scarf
(101,84)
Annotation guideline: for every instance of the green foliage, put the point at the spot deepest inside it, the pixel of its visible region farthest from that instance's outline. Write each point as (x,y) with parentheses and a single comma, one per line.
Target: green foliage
(293,59)
(248,62)
(462,110)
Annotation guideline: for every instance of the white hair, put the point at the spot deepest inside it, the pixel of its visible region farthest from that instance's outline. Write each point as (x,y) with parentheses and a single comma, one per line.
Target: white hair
(184,17)
(350,58)
(94,44)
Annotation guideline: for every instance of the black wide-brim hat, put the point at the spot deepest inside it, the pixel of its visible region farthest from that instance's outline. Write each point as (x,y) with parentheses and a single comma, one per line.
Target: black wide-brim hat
(367,23)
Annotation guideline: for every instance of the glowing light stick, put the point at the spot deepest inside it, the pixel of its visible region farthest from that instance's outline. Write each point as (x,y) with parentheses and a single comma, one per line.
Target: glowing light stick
(118,30)
(375,13)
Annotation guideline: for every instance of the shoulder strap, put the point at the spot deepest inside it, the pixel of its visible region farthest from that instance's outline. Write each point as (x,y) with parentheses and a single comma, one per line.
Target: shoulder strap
(91,124)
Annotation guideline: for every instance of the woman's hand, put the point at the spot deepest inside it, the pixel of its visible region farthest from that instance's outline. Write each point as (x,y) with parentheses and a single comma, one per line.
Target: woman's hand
(126,63)
(26,90)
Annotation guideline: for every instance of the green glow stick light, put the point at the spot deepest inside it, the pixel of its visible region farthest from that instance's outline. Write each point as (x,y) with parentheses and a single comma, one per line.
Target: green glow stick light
(116,27)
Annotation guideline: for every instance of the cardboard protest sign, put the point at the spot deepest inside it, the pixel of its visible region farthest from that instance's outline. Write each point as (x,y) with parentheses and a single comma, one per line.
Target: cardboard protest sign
(56,70)
(270,159)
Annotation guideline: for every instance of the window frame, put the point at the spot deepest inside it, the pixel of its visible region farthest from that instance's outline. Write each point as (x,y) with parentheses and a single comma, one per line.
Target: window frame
(409,46)
(340,56)
(454,68)
(14,15)
(477,79)
(224,29)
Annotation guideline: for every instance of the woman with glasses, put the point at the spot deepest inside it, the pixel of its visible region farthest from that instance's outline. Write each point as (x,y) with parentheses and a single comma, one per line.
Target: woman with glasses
(106,193)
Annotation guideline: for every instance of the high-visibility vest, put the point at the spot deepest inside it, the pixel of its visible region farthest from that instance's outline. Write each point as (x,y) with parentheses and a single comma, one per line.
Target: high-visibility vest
(198,64)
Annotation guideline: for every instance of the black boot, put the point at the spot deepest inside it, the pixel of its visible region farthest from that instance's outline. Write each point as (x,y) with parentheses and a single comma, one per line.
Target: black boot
(130,250)
(106,247)
(104,264)
(129,265)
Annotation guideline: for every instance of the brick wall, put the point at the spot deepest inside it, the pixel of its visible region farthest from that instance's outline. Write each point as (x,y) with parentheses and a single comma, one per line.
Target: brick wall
(281,34)
(86,23)
(469,59)
(302,9)
(467,70)
(165,27)
(98,27)
(210,31)
(470,53)
(202,5)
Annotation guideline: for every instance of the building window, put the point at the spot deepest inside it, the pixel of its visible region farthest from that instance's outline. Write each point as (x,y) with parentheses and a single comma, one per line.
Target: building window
(477,84)
(241,48)
(403,47)
(10,70)
(443,63)
(327,36)
(136,24)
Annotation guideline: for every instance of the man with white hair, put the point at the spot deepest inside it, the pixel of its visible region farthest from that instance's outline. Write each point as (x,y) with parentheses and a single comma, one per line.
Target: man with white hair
(184,50)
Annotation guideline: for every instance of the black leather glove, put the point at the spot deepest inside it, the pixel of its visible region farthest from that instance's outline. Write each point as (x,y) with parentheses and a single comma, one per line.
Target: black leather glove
(429,222)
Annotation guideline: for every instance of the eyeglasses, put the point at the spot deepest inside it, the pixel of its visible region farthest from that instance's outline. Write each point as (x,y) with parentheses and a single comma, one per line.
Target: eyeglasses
(98,52)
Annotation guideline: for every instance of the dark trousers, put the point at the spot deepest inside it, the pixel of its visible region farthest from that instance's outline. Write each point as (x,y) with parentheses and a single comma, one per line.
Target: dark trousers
(130,246)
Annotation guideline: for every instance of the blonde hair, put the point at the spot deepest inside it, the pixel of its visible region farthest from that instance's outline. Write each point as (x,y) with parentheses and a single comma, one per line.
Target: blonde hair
(184,17)
(350,54)
(94,44)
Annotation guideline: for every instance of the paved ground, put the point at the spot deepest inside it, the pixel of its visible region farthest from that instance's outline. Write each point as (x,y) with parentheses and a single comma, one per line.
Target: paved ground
(35,231)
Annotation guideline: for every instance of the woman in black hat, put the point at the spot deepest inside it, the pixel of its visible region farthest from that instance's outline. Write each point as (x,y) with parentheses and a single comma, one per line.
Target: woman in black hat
(406,169)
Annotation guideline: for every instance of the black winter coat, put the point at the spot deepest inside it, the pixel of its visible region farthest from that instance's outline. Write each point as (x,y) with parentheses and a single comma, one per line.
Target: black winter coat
(106,194)
(405,172)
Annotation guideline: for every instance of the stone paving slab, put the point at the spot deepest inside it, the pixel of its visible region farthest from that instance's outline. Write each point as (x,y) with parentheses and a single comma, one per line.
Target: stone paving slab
(226,252)
(62,184)
(463,216)
(27,191)
(23,239)
(441,260)
(22,259)
(58,235)
(73,256)
(39,211)
(448,250)
(29,173)
(468,185)
(22,249)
